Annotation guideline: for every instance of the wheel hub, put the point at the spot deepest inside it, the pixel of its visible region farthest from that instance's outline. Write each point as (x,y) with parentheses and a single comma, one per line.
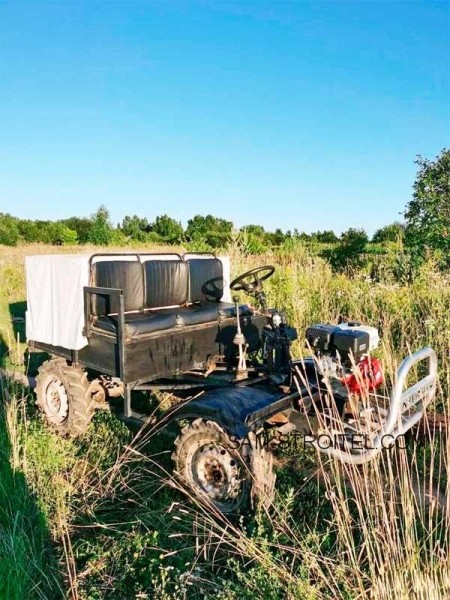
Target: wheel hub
(56,403)
(216,472)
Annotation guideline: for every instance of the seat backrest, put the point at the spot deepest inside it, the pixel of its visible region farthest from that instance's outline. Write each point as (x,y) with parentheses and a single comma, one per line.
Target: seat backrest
(121,274)
(166,283)
(157,283)
(206,281)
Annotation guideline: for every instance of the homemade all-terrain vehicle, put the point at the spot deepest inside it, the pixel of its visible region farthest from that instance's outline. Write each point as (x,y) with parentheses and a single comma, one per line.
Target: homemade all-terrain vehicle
(118,323)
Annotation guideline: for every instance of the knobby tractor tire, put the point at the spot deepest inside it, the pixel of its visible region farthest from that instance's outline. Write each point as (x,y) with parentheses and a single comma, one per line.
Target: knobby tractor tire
(62,394)
(233,477)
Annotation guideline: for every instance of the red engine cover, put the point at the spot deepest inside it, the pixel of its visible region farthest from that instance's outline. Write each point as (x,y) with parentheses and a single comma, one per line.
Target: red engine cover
(367,376)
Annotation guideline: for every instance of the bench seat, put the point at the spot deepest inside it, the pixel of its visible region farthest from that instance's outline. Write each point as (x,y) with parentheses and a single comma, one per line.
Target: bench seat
(206,312)
(137,324)
(146,322)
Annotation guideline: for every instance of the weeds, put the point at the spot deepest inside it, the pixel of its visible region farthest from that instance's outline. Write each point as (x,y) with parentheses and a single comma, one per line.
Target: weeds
(28,567)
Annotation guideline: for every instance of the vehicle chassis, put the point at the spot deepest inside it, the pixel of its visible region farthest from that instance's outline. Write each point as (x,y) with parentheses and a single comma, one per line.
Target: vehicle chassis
(238,399)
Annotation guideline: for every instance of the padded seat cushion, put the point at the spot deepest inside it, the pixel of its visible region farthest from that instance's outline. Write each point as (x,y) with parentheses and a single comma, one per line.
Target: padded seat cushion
(194,315)
(207,312)
(141,323)
(138,323)
(227,310)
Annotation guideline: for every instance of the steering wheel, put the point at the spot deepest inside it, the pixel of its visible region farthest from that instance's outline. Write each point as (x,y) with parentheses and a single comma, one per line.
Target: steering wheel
(251,281)
(213,288)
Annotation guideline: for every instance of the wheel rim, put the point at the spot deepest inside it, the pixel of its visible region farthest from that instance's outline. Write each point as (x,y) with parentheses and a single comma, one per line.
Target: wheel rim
(56,401)
(217,473)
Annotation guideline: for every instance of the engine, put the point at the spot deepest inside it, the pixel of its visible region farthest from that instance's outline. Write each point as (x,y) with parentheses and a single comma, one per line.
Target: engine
(343,352)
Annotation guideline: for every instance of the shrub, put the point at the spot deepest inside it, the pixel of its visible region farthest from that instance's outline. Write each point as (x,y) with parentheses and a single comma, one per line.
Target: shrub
(428,214)
(9,232)
(101,231)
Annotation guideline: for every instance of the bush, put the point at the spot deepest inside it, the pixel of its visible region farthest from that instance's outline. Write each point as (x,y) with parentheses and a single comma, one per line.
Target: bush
(349,250)
(9,232)
(167,229)
(395,232)
(134,228)
(428,213)
(59,233)
(32,231)
(211,231)
(81,225)
(101,231)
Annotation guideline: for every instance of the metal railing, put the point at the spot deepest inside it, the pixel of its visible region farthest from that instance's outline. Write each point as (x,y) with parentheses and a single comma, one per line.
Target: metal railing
(406,408)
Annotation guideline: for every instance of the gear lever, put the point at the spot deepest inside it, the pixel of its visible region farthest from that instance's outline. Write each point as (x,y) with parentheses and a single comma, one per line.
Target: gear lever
(241,343)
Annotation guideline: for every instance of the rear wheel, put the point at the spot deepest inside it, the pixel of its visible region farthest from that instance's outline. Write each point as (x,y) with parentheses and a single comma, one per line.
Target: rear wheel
(234,479)
(63,395)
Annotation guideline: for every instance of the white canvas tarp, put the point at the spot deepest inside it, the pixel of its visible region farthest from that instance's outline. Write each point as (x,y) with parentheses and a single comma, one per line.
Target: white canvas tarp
(55,304)
(55,300)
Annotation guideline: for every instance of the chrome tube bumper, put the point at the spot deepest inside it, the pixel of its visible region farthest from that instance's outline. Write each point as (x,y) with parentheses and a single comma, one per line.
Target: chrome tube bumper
(406,408)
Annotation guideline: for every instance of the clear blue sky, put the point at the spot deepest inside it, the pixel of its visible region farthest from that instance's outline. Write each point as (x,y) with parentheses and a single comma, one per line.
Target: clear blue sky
(285,114)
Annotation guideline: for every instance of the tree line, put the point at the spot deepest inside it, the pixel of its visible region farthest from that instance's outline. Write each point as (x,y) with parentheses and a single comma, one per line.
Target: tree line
(210,231)
(426,227)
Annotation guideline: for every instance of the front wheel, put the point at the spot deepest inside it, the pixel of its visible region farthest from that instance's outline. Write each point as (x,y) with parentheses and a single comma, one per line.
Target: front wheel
(233,477)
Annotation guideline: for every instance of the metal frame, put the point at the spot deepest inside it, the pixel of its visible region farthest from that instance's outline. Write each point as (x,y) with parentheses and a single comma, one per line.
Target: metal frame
(198,254)
(245,414)
(113,293)
(397,422)
(136,254)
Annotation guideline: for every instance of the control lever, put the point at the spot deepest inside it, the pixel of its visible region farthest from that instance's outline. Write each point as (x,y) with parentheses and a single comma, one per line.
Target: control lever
(240,341)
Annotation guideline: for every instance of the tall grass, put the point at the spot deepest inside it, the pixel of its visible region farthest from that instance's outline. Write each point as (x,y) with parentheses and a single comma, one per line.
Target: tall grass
(102,517)
(27,561)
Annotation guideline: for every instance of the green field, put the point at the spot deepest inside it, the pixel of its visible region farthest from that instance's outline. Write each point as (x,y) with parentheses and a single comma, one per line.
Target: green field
(101,517)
